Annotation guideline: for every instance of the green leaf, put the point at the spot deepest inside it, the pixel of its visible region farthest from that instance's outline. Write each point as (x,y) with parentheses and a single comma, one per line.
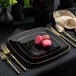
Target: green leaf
(27,3)
(12,2)
(5,3)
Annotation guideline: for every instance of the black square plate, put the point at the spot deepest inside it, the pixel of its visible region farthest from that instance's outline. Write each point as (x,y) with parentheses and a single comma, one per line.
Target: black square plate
(22,44)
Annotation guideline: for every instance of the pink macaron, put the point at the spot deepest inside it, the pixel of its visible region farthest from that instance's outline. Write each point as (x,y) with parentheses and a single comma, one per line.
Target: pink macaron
(45,37)
(46,43)
(38,40)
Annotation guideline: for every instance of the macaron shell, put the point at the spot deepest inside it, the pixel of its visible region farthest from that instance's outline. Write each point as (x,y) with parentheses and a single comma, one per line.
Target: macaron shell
(45,37)
(46,43)
(38,40)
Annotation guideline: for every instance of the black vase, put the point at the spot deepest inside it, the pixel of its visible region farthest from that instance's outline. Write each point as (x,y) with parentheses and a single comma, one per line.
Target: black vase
(43,11)
(5,17)
(65,4)
(17,11)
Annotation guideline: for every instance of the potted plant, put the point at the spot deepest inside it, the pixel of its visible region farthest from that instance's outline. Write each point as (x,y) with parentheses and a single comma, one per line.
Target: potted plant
(5,15)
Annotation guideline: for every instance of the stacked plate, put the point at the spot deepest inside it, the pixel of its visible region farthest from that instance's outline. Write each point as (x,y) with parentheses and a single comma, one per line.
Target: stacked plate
(23,47)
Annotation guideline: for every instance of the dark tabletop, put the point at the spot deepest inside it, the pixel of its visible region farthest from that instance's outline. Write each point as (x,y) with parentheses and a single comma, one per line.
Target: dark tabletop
(64,65)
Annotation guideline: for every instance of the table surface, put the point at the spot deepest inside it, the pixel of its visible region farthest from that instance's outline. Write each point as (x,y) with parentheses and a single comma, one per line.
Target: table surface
(64,65)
